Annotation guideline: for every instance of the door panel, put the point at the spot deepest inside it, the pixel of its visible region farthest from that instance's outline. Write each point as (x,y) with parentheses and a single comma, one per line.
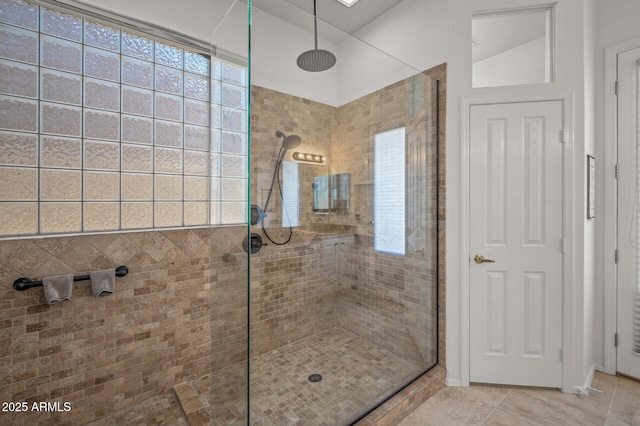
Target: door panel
(516,221)
(534,166)
(628,353)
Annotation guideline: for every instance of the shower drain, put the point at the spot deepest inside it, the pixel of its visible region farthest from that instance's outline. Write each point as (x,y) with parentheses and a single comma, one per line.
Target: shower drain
(315,378)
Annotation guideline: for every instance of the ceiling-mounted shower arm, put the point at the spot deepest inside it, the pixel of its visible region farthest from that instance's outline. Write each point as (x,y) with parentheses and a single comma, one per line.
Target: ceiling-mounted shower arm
(317,59)
(315,24)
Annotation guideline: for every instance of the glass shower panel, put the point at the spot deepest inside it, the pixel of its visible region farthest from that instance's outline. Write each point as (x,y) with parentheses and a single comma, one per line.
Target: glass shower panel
(105,124)
(227,383)
(343,296)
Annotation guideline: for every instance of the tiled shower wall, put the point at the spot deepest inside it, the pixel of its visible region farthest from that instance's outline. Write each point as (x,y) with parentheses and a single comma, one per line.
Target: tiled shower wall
(293,286)
(105,354)
(389,299)
(329,274)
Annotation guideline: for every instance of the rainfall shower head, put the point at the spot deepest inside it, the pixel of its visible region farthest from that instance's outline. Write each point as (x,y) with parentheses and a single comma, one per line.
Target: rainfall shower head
(316,60)
(289,142)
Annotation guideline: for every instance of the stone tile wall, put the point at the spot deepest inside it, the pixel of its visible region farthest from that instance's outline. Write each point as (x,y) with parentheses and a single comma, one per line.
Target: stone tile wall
(295,288)
(312,121)
(391,299)
(105,354)
(294,291)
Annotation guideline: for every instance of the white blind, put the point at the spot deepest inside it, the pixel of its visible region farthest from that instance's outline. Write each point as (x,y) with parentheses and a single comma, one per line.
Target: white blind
(636,304)
(290,194)
(389,191)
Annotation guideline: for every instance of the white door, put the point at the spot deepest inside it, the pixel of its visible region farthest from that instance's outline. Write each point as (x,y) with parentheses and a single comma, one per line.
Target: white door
(628,351)
(516,155)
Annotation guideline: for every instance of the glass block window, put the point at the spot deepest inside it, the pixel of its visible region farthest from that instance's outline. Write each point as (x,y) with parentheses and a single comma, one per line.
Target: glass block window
(104,129)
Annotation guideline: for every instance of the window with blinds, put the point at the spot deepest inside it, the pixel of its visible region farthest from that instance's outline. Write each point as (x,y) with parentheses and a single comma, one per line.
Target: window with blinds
(290,194)
(389,191)
(636,322)
(105,128)
(636,302)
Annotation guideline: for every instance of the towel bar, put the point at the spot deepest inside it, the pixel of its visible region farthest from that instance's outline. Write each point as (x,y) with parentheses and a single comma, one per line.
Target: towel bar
(25,283)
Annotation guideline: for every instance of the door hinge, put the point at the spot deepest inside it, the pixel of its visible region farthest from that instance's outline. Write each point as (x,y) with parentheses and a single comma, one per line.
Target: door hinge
(617,171)
(616,256)
(561,354)
(563,136)
(563,245)
(616,86)
(615,340)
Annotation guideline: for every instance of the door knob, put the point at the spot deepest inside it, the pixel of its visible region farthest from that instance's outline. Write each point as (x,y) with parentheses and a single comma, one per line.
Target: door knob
(478,258)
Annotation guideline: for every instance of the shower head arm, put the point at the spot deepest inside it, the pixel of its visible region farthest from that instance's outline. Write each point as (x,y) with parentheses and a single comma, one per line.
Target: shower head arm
(315,32)
(315,24)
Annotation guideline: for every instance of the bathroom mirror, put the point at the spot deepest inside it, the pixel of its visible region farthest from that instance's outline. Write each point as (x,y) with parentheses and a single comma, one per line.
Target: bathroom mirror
(512,47)
(331,194)
(320,194)
(339,193)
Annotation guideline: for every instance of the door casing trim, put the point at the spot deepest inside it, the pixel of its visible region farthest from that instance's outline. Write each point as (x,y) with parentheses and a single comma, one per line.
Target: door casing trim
(568,226)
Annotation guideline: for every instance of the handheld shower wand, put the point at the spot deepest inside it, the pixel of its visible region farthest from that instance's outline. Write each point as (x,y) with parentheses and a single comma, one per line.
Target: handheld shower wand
(288,142)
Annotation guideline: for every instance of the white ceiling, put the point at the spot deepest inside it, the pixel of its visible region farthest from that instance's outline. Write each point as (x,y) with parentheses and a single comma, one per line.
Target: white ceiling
(491,35)
(346,20)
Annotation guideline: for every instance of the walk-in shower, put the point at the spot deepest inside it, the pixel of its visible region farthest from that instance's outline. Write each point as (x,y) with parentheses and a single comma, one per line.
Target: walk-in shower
(344,315)
(282,229)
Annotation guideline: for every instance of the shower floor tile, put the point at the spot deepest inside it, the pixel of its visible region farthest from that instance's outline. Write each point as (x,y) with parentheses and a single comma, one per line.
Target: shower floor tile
(355,375)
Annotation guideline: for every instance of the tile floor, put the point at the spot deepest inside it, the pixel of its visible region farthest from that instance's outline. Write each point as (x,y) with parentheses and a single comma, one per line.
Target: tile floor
(617,405)
(355,373)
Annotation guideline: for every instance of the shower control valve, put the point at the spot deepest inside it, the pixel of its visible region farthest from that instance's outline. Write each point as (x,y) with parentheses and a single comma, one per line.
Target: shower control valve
(253,244)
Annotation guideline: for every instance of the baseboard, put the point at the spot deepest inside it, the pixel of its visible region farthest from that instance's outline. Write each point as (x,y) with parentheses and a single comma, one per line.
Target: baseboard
(584,389)
(592,372)
(453,382)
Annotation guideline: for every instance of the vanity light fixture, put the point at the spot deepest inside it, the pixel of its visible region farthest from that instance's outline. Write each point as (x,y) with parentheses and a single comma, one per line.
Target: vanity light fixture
(348,3)
(311,158)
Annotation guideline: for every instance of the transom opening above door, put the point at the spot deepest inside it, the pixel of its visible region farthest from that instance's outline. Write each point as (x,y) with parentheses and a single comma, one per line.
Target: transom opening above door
(512,47)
